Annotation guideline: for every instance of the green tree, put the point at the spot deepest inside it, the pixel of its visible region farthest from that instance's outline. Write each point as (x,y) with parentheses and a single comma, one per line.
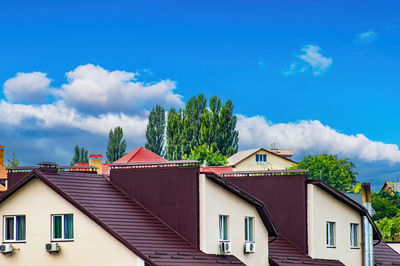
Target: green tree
(80,155)
(228,136)
(206,156)
(12,162)
(116,147)
(385,205)
(155,131)
(337,172)
(174,135)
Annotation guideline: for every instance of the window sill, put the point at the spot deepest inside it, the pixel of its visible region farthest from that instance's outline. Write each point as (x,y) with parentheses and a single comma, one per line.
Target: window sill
(354,247)
(62,240)
(14,242)
(331,246)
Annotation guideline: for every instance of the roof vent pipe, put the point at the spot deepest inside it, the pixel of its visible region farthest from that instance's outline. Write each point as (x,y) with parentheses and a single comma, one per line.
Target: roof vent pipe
(368,250)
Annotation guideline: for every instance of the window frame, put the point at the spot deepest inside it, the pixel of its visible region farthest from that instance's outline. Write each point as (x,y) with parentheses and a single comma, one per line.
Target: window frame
(14,240)
(63,239)
(328,234)
(261,158)
(247,227)
(353,230)
(221,228)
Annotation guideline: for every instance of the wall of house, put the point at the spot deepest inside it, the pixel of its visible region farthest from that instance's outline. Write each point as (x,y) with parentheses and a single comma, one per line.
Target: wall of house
(92,245)
(273,163)
(322,207)
(394,245)
(215,201)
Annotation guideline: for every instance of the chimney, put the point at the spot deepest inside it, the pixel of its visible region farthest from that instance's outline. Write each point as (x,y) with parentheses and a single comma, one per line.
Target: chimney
(48,167)
(368,249)
(366,196)
(2,155)
(96,160)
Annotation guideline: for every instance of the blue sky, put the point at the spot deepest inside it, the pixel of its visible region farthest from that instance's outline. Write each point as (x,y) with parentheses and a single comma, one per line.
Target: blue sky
(312,73)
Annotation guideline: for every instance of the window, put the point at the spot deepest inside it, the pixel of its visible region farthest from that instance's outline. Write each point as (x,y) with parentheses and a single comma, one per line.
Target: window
(330,234)
(14,228)
(353,235)
(261,158)
(223,227)
(249,229)
(62,227)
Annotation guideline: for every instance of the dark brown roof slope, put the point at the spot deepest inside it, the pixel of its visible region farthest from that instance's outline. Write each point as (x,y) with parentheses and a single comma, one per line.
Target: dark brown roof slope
(125,219)
(385,255)
(349,202)
(283,252)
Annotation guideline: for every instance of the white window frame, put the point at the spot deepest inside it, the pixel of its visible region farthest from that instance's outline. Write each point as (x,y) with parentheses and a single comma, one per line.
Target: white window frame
(62,227)
(333,224)
(247,229)
(261,158)
(221,228)
(15,229)
(353,230)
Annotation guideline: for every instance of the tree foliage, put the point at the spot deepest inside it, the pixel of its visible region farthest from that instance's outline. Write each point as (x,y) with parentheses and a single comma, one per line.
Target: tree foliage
(155,130)
(116,147)
(337,172)
(174,134)
(80,155)
(13,162)
(206,156)
(387,213)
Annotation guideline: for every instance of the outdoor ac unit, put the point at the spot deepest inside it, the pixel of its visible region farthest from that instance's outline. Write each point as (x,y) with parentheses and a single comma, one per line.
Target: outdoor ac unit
(250,247)
(52,247)
(225,247)
(6,249)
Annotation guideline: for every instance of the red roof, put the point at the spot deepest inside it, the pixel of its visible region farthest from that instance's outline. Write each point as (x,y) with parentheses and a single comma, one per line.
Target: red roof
(140,155)
(216,169)
(125,219)
(106,167)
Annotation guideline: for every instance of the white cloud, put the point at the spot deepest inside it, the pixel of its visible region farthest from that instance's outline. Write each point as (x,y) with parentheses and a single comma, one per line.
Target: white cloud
(27,87)
(310,59)
(92,88)
(306,136)
(366,38)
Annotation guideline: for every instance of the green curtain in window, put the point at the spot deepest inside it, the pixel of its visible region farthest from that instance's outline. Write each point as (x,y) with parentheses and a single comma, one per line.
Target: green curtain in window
(21,227)
(225,228)
(251,238)
(68,226)
(57,226)
(9,232)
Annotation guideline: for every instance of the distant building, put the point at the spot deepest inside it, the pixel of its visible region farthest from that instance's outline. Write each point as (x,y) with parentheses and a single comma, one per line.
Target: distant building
(261,159)
(3,171)
(391,187)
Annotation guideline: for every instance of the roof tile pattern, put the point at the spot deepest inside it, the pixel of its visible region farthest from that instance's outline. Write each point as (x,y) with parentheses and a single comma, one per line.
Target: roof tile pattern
(132,222)
(139,155)
(385,255)
(283,252)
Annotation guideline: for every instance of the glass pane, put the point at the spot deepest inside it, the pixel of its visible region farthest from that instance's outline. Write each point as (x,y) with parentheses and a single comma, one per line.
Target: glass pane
(251,237)
(264,157)
(246,235)
(20,227)
(257,159)
(9,230)
(220,227)
(225,227)
(331,234)
(57,226)
(68,226)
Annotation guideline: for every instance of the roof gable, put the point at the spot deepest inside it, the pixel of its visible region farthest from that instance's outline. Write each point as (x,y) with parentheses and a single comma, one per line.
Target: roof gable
(140,154)
(242,155)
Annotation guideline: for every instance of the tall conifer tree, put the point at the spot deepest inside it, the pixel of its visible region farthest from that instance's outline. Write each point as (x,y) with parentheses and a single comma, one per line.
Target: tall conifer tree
(155,131)
(116,146)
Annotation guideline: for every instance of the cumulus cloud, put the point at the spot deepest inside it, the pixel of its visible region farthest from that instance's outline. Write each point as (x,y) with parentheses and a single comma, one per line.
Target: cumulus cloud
(310,59)
(27,87)
(95,89)
(306,136)
(365,38)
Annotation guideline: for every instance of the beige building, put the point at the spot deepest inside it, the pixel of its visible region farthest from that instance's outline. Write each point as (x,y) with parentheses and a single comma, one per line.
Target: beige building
(261,159)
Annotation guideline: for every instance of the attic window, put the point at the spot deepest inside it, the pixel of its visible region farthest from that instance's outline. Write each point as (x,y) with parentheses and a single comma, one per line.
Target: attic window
(261,158)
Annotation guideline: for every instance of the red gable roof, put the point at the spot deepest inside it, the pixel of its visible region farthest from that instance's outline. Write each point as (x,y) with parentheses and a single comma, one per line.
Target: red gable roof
(140,155)
(216,169)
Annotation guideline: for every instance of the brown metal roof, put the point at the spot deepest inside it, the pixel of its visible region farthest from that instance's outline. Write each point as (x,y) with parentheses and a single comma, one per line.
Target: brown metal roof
(385,255)
(125,219)
(283,252)
(349,202)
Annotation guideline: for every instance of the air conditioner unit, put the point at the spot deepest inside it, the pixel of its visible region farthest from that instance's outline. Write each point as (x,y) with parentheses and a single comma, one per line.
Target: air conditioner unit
(250,247)
(6,249)
(52,247)
(225,247)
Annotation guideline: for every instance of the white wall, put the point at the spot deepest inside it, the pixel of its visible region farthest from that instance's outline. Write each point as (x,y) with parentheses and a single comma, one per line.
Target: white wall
(274,162)
(92,245)
(395,246)
(215,201)
(322,207)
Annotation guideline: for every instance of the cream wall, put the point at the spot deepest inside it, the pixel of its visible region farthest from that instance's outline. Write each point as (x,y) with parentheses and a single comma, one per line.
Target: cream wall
(395,246)
(322,207)
(215,201)
(273,163)
(92,245)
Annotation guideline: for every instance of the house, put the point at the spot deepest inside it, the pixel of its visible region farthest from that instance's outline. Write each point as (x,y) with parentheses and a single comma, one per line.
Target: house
(391,187)
(159,213)
(261,159)
(3,171)
(315,221)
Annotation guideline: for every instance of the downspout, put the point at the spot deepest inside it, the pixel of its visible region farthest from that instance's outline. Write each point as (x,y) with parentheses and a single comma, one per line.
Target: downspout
(368,249)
